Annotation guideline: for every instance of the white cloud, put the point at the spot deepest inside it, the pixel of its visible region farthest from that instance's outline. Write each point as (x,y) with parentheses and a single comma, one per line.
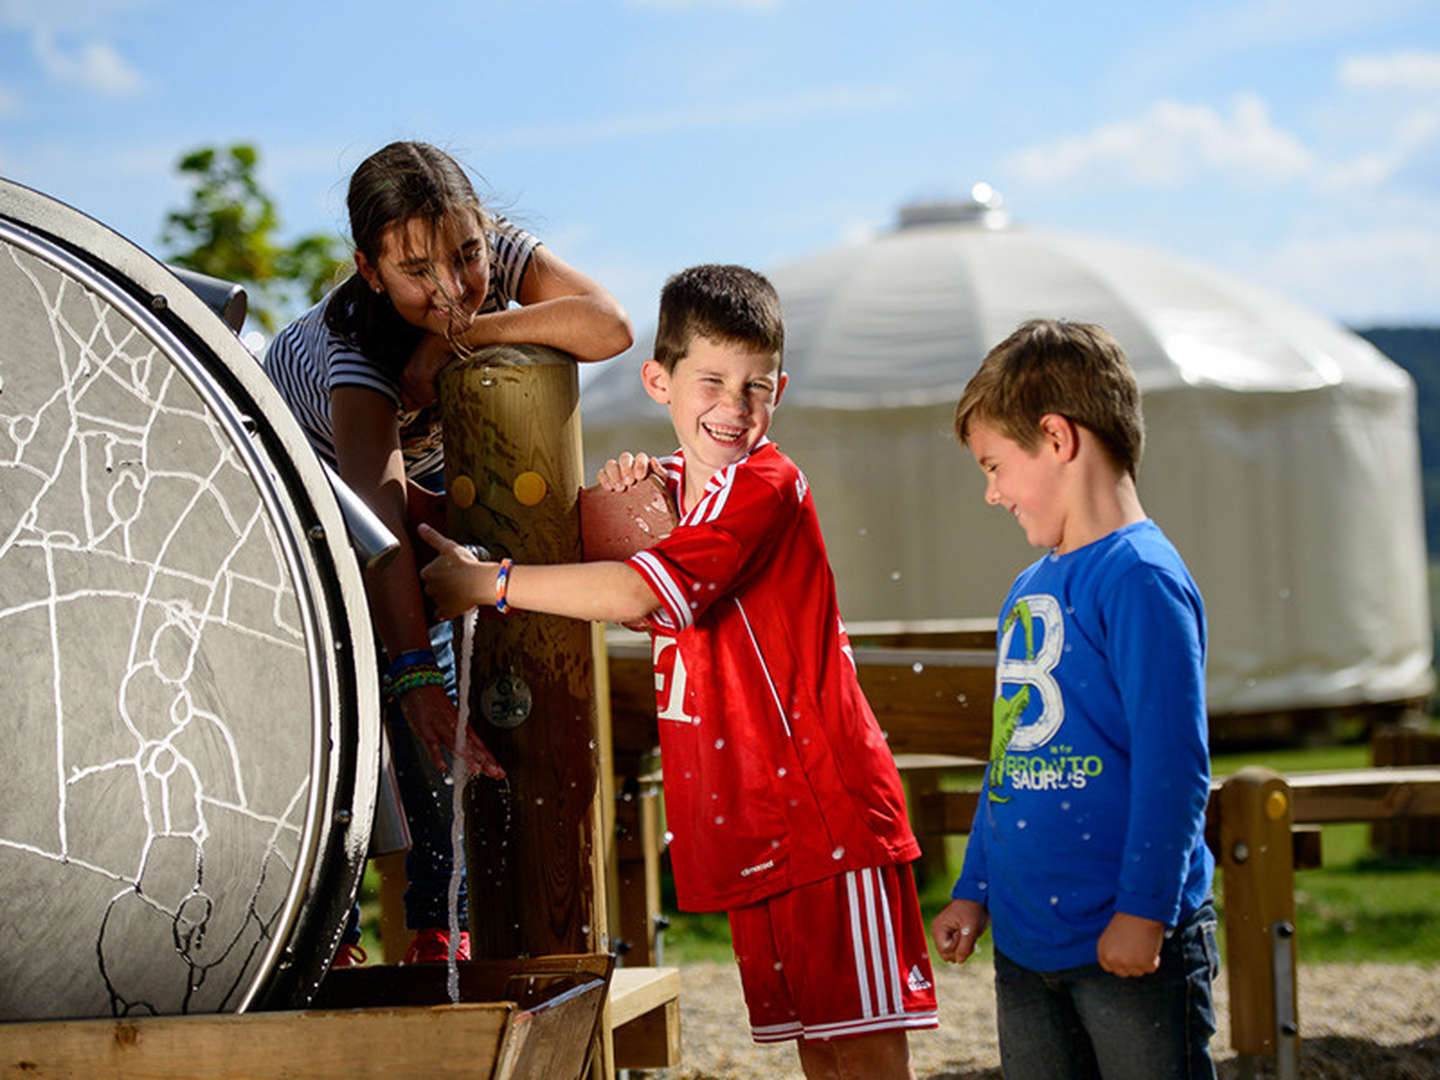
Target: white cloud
(1409,69)
(1170,144)
(94,65)
(1371,275)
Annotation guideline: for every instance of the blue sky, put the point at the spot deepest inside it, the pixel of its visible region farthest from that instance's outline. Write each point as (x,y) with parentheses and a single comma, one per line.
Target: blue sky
(1294,142)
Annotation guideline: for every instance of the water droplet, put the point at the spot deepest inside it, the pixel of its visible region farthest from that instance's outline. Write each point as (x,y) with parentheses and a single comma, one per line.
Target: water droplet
(1284,594)
(719,744)
(719,819)
(669,836)
(1021,823)
(838,853)
(780,771)
(917,667)
(1054,900)
(539,801)
(864,531)
(1065,805)
(585,929)
(779,966)
(894,575)
(960,698)
(1085,836)
(983,884)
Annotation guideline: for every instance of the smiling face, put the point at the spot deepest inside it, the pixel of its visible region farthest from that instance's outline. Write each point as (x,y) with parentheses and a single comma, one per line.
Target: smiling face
(721,397)
(1026,483)
(435,275)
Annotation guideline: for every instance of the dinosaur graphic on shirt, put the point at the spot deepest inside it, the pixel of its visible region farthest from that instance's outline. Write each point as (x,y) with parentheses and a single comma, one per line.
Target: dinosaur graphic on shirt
(1006,712)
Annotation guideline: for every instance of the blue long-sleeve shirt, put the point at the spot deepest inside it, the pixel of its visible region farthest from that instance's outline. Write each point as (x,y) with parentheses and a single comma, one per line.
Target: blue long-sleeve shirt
(1094,799)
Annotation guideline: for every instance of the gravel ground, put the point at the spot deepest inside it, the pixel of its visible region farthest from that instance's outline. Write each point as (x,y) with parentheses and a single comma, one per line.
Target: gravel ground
(1372,1021)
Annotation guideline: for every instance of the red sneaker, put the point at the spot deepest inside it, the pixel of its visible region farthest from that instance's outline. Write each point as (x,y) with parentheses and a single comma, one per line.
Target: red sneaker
(350,954)
(432,946)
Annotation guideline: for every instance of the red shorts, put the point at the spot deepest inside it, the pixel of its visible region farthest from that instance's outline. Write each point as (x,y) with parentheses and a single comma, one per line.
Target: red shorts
(840,957)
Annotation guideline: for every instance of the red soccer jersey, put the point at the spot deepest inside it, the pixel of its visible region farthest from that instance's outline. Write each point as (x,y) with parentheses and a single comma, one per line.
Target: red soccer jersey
(776,772)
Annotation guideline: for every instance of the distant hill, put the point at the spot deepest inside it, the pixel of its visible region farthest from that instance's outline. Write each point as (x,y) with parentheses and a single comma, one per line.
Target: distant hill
(1417,350)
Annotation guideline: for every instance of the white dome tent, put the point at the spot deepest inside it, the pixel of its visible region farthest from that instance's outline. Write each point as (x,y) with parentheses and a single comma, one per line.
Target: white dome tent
(1281,452)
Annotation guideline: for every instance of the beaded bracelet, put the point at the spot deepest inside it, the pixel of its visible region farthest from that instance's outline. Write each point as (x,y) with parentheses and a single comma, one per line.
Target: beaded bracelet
(502,586)
(415,678)
(412,659)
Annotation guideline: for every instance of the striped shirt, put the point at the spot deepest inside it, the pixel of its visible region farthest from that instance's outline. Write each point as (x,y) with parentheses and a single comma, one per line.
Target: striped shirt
(308,361)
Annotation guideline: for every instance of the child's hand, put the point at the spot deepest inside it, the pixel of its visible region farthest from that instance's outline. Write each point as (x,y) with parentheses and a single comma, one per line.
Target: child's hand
(1130,945)
(455,580)
(957,928)
(627,470)
(434,719)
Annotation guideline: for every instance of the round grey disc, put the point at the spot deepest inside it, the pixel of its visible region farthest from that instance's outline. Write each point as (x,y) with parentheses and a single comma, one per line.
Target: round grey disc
(189,717)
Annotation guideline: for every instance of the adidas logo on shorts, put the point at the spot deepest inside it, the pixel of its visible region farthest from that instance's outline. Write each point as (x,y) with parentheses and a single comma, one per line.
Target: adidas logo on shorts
(917,981)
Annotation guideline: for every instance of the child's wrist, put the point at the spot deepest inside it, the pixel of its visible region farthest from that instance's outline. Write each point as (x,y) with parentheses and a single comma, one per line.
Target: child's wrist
(502,586)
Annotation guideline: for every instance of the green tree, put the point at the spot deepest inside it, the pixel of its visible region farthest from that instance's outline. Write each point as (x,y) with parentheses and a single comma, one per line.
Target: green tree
(228,231)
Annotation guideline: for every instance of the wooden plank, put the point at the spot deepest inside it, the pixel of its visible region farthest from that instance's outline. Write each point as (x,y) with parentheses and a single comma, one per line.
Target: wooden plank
(1366,794)
(930,701)
(555,1039)
(638,847)
(635,991)
(440,1041)
(527,981)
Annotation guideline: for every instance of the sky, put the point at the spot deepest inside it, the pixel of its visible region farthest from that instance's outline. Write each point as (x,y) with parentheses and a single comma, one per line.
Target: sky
(1295,143)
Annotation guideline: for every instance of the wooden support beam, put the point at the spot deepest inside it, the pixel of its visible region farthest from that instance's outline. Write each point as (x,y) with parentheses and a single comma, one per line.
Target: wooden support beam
(535,851)
(1366,794)
(645,1013)
(638,846)
(1259,879)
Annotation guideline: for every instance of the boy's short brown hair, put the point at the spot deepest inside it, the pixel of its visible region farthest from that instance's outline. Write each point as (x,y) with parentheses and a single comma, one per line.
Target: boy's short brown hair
(1052,366)
(725,303)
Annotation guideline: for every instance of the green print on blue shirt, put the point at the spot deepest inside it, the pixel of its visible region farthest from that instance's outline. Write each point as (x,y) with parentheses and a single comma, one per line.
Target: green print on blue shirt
(1009,739)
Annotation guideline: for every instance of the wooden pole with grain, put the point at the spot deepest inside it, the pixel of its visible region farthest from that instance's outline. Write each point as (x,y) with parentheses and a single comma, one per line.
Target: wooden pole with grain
(534,847)
(1256,857)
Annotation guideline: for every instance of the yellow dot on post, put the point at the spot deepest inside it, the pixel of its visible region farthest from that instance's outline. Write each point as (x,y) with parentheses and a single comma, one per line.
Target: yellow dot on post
(1276,804)
(529,488)
(462,492)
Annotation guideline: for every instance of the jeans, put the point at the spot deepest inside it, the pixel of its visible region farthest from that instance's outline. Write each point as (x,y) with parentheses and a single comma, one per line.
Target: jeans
(1086,1024)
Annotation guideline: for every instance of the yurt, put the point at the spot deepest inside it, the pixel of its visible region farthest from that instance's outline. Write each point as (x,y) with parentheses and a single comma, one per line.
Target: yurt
(1281,450)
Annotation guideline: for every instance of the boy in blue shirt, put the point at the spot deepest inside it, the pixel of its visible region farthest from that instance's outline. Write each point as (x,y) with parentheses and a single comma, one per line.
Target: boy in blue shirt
(1087,854)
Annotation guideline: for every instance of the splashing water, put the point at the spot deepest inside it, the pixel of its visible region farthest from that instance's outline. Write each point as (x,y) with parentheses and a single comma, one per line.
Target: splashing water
(459,773)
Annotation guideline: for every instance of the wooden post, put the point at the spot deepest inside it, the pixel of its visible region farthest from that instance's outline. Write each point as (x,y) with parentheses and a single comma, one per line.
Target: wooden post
(1256,811)
(512,474)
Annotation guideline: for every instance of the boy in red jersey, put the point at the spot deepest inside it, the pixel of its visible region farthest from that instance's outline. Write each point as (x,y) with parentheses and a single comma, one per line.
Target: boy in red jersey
(782,797)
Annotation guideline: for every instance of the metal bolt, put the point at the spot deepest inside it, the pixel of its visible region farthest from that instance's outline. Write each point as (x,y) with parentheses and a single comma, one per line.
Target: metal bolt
(316,533)
(343,817)
(159,303)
